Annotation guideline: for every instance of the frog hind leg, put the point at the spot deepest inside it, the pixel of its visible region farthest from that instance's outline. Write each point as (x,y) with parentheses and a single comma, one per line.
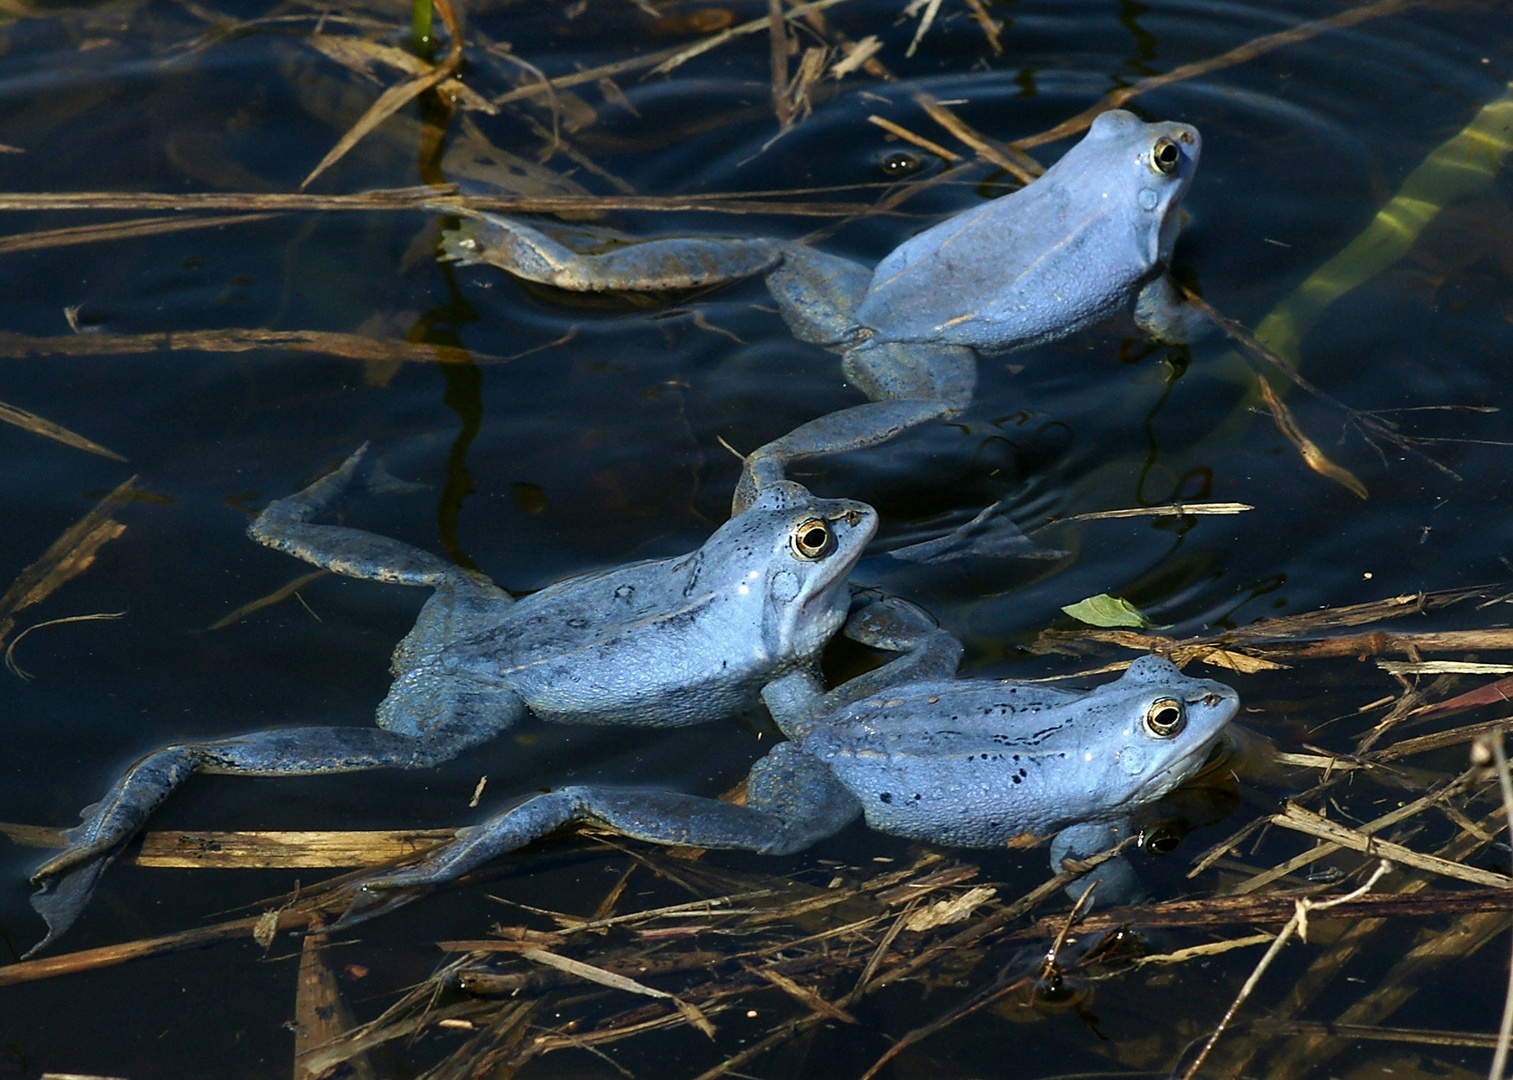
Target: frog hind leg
(284,525)
(793,801)
(67,880)
(1162,313)
(648,265)
(430,715)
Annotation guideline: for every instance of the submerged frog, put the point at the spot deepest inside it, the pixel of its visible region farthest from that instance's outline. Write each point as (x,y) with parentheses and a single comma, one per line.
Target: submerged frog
(968,762)
(1089,240)
(665,642)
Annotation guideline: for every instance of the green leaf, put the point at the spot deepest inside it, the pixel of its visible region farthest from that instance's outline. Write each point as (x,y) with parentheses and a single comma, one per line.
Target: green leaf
(1106,610)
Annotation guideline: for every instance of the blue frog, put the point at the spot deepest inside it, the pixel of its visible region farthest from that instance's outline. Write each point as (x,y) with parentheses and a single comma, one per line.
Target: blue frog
(1089,240)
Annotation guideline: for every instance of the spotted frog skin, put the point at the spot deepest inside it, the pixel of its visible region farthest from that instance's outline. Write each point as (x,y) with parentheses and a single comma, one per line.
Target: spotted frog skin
(1090,239)
(661,643)
(921,754)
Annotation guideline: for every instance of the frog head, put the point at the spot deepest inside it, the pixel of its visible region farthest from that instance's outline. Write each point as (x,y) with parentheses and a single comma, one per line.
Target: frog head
(1154,728)
(791,553)
(1145,169)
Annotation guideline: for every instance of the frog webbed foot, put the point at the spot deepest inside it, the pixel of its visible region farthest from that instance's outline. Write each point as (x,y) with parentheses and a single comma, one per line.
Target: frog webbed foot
(1161,312)
(1114,881)
(642,266)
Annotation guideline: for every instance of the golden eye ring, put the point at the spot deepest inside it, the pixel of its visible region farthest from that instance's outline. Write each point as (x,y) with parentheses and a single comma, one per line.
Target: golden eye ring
(1165,717)
(812,540)
(1166,156)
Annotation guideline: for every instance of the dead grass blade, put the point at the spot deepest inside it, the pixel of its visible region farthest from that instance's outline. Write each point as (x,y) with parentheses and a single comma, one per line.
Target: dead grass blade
(252,850)
(1170,510)
(246,202)
(10,650)
(1239,55)
(49,967)
(1012,161)
(1491,747)
(30,421)
(593,974)
(1216,912)
(1330,845)
(45,239)
(397,97)
(682,55)
(69,556)
(1304,821)
(442,199)
(277,596)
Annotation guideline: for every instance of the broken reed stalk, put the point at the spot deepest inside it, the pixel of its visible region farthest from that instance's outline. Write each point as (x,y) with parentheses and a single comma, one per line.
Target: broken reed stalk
(1298,924)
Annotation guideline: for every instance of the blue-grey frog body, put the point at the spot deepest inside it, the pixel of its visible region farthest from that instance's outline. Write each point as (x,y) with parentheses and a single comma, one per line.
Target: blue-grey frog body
(1090,239)
(968,762)
(664,642)
(981,763)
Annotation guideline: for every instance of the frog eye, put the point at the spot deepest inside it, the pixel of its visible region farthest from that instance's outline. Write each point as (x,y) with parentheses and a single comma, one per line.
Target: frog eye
(812,540)
(1165,717)
(1166,155)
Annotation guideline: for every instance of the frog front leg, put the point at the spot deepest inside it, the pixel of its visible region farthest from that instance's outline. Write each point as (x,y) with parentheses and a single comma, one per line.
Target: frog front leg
(799,702)
(1162,313)
(1112,882)
(792,802)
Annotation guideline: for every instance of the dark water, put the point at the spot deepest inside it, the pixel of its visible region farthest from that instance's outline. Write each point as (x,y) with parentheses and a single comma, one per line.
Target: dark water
(607,447)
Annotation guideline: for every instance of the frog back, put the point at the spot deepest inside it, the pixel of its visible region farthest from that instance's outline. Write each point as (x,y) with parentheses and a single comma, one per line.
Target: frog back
(1071,249)
(635,644)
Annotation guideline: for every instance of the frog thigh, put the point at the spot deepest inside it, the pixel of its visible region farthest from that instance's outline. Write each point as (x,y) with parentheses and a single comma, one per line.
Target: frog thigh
(818,294)
(912,370)
(1161,312)
(674,263)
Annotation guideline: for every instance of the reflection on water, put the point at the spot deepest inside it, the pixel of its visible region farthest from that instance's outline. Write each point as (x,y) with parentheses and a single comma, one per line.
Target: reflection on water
(535,435)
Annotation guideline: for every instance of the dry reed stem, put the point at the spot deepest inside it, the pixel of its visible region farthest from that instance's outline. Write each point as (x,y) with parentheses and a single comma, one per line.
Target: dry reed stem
(1299,820)
(918,140)
(46,239)
(1492,745)
(1298,924)
(238,340)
